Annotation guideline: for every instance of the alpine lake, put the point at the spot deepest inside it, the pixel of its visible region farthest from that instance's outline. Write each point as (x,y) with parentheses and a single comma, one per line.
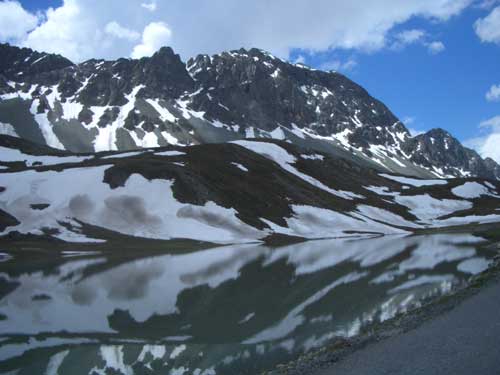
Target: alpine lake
(237,309)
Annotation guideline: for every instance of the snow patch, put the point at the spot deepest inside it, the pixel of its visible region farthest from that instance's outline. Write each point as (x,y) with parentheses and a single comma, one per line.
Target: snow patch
(45,126)
(413,181)
(313,157)
(140,208)
(177,351)
(165,114)
(123,155)
(239,166)
(470,190)
(8,129)
(106,138)
(285,161)
(427,208)
(170,153)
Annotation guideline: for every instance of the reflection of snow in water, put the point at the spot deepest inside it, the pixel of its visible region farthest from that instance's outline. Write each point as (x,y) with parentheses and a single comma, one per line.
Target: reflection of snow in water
(295,317)
(473,265)
(135,286)
(310,257)
(443,280)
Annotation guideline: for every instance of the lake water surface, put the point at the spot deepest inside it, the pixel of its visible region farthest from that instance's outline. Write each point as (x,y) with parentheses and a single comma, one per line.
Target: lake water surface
(228,310)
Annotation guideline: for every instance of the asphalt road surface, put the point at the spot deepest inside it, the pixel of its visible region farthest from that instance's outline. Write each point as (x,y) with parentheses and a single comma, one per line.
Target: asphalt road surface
(463,341)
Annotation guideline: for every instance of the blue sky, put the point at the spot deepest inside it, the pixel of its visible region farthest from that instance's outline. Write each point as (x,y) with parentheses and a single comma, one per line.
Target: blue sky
(360,38)
(40,5)
(444,90)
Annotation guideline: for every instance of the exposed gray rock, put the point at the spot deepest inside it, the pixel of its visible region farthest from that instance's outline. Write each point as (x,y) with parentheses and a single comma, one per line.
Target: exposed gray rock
(103,105)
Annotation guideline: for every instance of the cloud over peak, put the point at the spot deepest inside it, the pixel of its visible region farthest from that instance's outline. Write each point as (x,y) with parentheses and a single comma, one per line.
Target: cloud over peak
(15,21)
(154,36)
(81,29)
(115,29)
(487,145)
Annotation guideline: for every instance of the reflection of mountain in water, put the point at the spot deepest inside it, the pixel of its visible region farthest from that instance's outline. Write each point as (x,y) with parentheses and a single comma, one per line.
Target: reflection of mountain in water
(216,311)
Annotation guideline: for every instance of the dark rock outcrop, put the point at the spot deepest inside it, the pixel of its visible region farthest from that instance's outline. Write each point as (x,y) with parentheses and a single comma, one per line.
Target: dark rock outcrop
(158,100)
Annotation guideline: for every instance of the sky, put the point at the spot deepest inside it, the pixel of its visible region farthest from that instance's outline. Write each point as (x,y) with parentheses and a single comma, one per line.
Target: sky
(434,63)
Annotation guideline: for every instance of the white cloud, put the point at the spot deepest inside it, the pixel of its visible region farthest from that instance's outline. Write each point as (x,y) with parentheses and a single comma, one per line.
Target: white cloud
(487,4)
(408,121)
(149,6)
(338,65)
(414,132)
(487,145)
(300,60)
(118,31)
(80,29)
(407,37)
(154,36)
(493,94)
(77,28)
(15,21)
(435,47)
(492,123)
(59,32)
(488,28)
(416,36)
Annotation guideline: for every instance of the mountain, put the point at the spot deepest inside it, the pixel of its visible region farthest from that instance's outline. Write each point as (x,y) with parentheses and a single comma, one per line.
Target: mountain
(221,193)
(159,100)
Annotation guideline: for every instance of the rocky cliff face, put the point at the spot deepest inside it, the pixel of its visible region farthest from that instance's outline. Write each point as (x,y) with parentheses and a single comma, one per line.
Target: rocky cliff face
(23,64)
(128,104)
(265,93)
(439,151)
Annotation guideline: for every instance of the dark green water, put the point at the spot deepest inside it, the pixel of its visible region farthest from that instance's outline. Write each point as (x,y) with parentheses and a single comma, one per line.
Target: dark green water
(229,310)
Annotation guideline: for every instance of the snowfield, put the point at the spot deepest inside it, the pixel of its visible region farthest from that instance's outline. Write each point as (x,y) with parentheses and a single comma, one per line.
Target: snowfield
(64,199)
(414,181)
(426,208)
(470,190)
(141,208)
(280,156)
(12,155)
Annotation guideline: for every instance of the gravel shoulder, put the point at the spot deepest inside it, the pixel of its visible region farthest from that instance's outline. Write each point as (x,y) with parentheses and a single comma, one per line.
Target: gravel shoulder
(465,340)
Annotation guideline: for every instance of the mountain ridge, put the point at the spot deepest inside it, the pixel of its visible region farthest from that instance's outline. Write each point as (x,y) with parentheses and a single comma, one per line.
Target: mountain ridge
(154,101)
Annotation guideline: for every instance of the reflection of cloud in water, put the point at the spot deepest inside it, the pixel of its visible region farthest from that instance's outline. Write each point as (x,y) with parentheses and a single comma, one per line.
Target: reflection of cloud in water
(216,268)
(133,283)
(83,294)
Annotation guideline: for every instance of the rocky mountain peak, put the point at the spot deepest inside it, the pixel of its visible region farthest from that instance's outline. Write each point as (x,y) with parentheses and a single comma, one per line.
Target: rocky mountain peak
(247,93)
(439,150)
(19,64)
(267,93)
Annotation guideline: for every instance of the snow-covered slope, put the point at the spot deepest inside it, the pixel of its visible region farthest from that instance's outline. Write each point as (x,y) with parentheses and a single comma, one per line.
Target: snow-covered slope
(226,193)
(158,101)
